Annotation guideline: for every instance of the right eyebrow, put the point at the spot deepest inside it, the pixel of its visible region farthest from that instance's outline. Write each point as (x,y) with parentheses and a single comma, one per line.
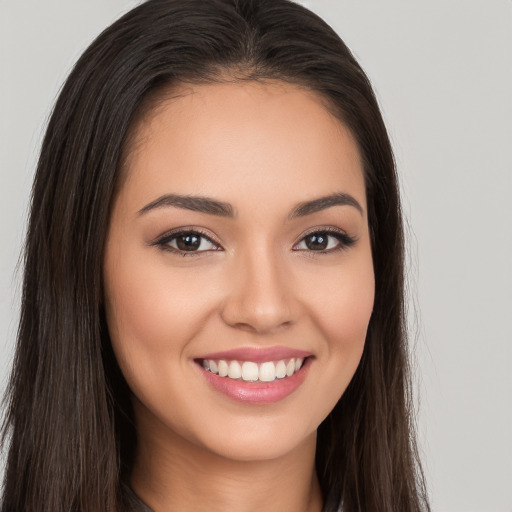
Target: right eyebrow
(194,203)
(322,203)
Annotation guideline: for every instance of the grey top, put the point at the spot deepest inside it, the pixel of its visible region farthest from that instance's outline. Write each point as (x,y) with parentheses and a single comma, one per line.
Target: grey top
(132,502)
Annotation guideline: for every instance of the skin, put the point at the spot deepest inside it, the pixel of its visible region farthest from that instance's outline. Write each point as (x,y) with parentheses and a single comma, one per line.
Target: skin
(264,149)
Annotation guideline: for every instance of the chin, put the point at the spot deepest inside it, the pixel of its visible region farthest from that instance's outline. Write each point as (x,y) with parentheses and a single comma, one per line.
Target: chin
(260,445)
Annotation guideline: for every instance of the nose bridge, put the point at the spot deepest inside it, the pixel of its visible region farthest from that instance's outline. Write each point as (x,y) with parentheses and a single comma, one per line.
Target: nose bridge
(259,298)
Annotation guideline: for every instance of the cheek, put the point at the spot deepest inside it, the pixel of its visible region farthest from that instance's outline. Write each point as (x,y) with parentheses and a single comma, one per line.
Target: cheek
(343,309)
(153,316)
(347,314)
(148,311)
(134,310)
(342,314)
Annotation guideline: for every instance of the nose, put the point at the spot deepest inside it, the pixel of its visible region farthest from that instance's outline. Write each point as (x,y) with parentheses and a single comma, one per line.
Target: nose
(260,298)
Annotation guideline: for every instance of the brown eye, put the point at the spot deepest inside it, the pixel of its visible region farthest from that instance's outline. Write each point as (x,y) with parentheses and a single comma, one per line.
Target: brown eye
(187,242)
(317,241)
(325,241)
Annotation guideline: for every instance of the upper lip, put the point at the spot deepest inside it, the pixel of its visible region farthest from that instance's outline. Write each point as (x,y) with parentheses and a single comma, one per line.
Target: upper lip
(257,355)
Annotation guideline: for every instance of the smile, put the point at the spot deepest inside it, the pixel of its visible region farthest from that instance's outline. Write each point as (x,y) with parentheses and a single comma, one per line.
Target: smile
(250,371)
(254,375)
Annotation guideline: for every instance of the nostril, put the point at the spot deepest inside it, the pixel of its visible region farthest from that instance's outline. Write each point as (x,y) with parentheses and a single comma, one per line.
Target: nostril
(257,320)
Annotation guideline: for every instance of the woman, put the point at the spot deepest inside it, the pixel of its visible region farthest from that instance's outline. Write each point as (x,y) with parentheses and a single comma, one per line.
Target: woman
(212,310)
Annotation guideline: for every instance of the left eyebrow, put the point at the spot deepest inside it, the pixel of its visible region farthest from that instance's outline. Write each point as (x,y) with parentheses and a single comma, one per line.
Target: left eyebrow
(322,203)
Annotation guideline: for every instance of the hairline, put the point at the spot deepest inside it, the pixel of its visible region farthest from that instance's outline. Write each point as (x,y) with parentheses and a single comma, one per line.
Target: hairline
(157,98)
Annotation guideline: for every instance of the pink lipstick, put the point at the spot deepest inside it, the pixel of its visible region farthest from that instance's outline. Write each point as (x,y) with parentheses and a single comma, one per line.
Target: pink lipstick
(255,375)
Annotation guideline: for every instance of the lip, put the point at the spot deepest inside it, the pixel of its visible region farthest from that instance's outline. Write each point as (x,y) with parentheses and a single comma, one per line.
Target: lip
(257,355)
(257,393)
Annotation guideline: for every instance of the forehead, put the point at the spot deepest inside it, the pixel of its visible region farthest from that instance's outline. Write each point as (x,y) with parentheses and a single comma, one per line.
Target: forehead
(244,137)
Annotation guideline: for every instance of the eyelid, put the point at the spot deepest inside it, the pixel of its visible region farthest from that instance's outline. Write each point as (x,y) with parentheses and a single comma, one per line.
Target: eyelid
(345,240)
(163,239)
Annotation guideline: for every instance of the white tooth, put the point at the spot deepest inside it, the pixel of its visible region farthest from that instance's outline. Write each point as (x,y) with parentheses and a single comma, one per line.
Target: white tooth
(280,370)
(267,372)
(223,368)
(298,363)
(205,364)
(290,367)
(213,366)
(235,370)
(250,371)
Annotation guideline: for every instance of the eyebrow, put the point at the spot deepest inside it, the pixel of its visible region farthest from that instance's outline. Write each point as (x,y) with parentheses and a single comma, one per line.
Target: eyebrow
(222,209)
(322,203)
(194,203)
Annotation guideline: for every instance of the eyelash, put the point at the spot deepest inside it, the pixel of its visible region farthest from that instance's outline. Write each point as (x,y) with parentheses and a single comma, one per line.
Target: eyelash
(344,241)
(167,238)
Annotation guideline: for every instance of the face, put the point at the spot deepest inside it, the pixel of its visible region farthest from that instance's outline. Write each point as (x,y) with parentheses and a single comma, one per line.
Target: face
(238,273)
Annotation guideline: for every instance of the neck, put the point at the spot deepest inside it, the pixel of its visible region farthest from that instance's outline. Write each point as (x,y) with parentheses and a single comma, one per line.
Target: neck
(171,473)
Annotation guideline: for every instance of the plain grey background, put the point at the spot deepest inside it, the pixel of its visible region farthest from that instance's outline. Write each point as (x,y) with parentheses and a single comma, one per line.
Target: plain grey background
(442,70)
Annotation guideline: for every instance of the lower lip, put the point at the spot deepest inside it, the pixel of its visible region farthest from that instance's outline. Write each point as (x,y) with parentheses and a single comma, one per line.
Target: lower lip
(257,392)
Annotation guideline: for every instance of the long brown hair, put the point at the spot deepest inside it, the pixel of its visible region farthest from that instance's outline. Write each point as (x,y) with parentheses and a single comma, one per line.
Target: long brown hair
(69,420)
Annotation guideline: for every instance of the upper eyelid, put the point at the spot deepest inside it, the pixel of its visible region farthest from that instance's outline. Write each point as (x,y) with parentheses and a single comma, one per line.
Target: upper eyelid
(173,233)
(322,229)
